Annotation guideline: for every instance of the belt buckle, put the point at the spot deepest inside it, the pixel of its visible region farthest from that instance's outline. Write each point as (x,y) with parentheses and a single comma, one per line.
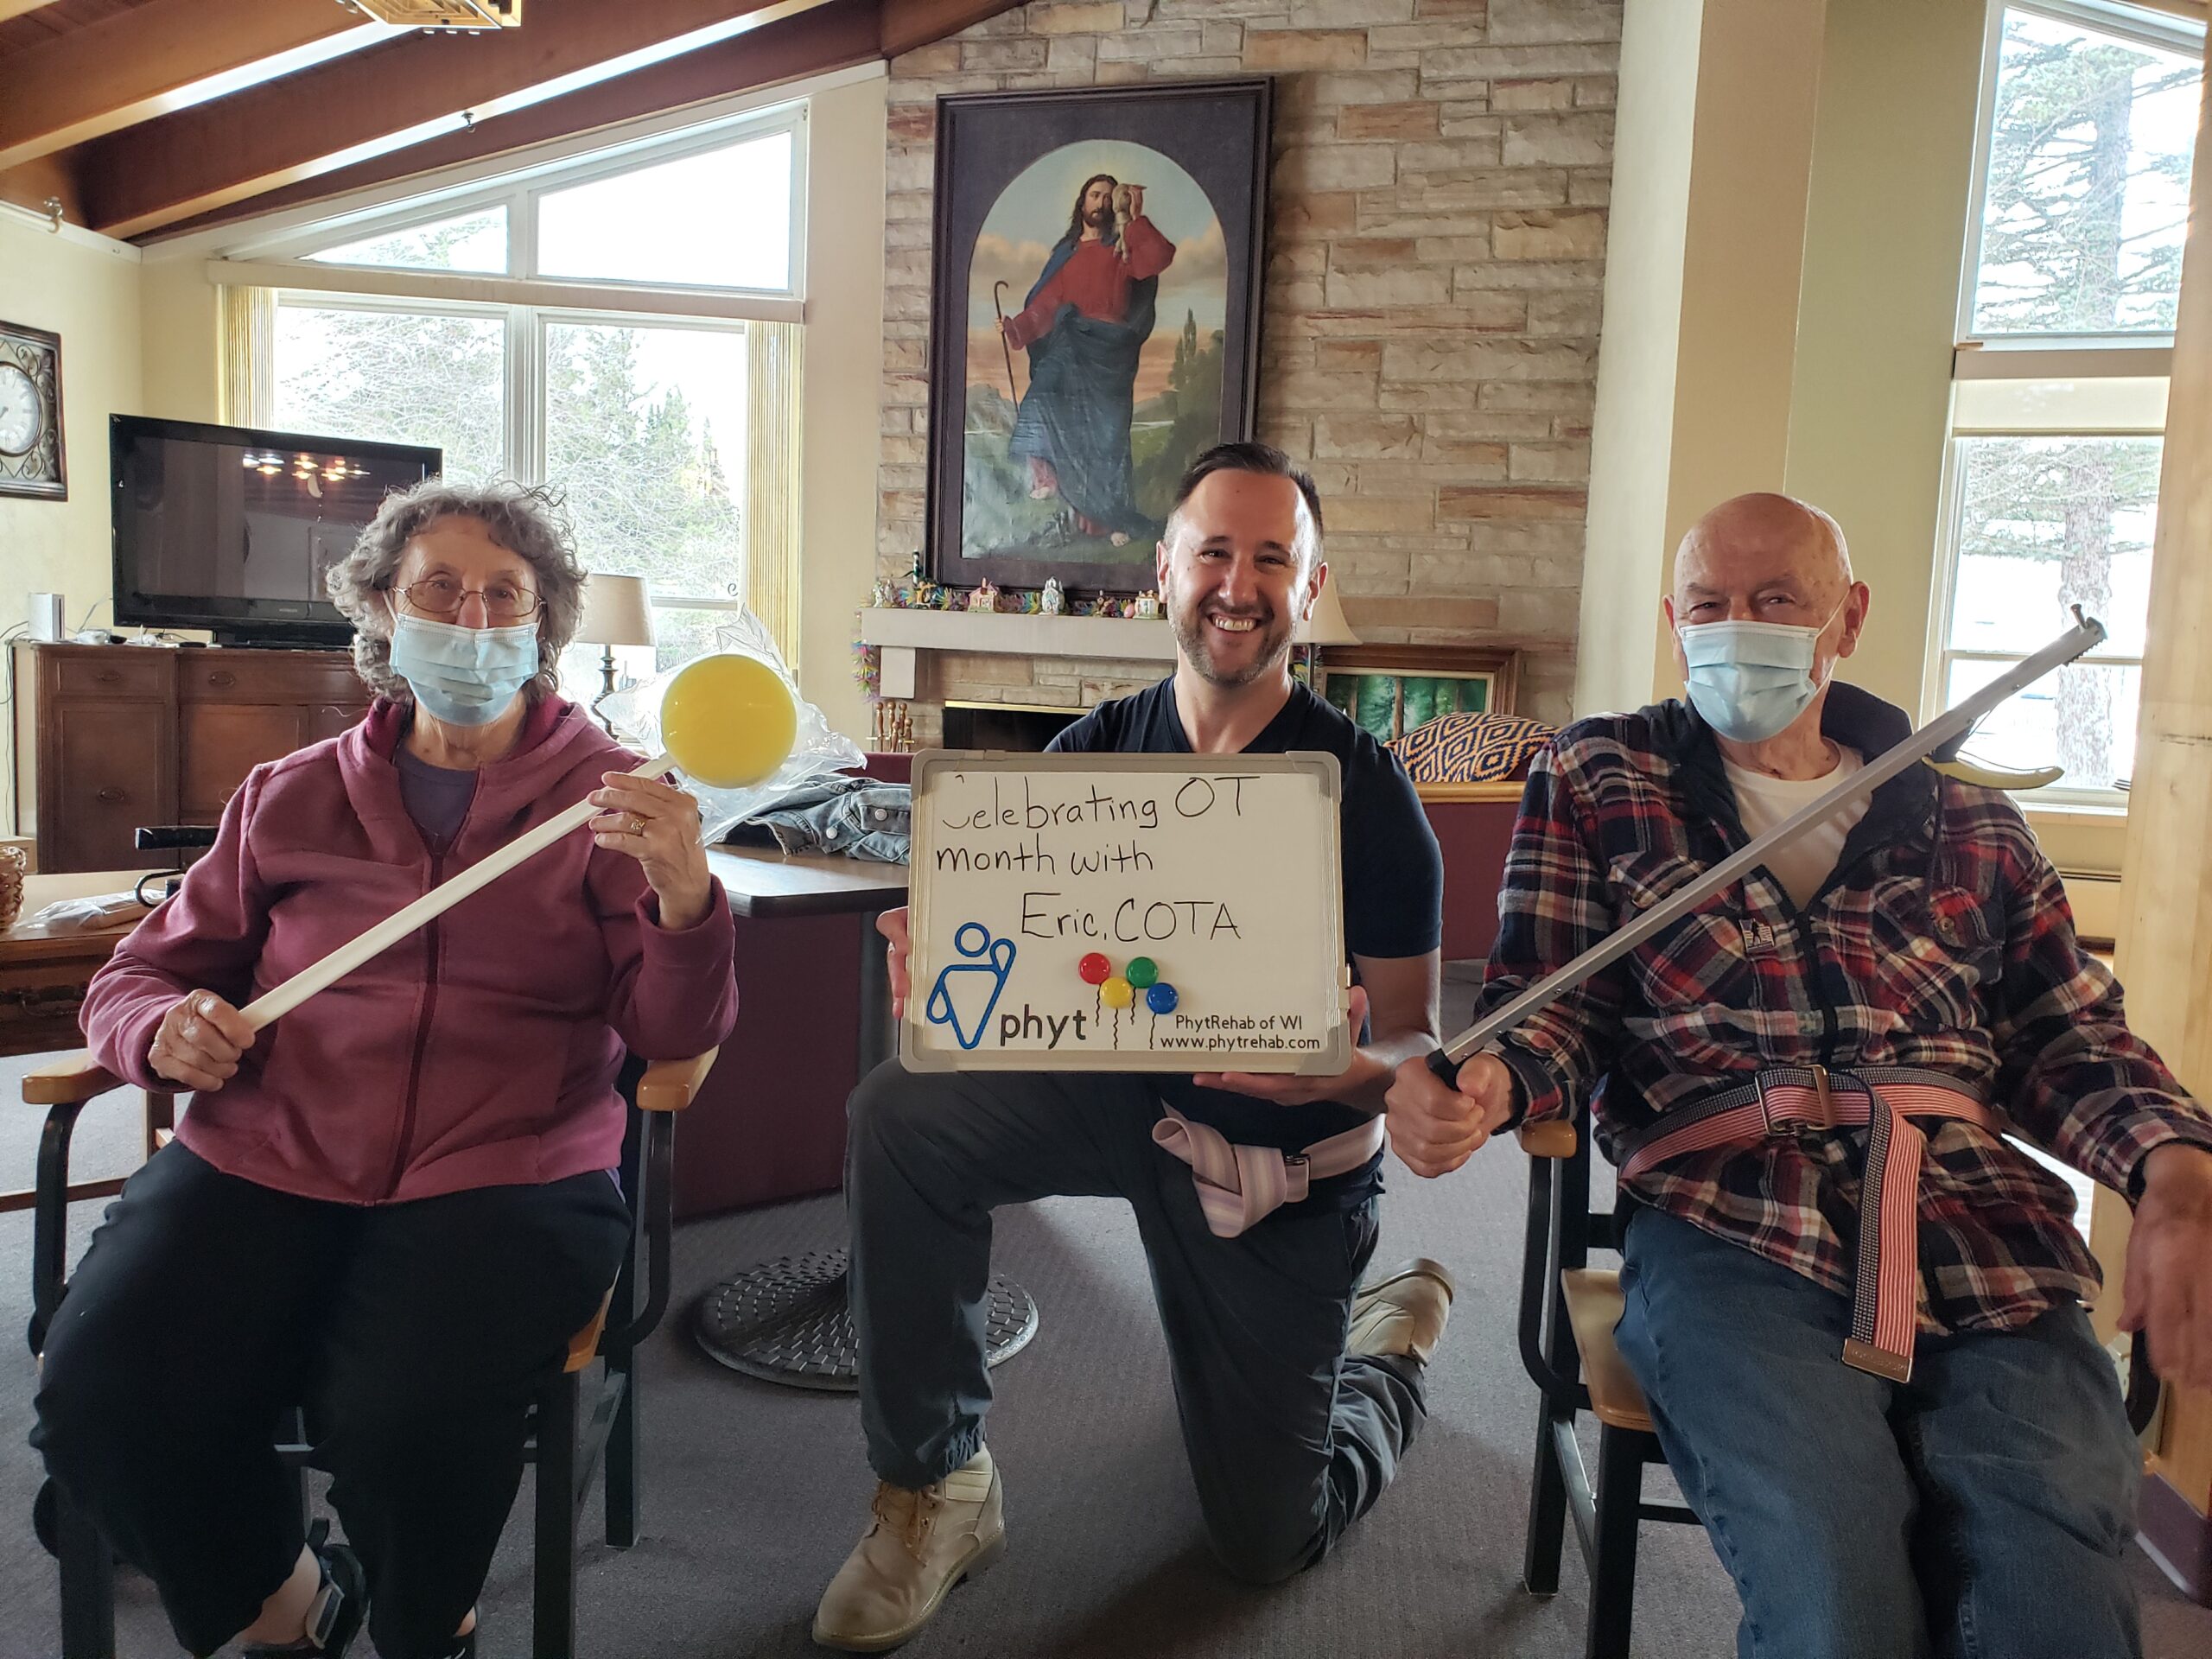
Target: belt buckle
(1796,1125)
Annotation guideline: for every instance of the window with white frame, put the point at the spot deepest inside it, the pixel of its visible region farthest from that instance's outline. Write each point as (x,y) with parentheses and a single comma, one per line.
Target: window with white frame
(584,324)
(2066,316)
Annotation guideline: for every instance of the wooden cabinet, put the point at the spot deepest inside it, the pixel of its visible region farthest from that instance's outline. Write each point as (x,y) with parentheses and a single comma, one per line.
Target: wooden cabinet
(111,737)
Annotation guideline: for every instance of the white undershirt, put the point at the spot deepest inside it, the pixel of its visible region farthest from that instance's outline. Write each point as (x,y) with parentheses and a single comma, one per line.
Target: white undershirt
(1762,802)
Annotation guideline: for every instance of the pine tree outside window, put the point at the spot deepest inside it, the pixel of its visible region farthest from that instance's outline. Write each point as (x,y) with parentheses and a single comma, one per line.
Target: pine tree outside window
(2088,120)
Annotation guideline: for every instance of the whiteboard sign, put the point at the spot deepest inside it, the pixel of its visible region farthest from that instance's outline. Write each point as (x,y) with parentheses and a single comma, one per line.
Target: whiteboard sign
(1126,913)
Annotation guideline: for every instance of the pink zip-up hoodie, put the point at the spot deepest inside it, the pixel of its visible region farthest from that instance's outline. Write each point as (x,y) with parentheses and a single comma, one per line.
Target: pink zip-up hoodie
(479,1052)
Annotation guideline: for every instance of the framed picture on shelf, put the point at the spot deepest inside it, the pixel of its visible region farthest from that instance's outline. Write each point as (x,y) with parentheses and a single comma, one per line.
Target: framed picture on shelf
(1389,691)
(1094,320)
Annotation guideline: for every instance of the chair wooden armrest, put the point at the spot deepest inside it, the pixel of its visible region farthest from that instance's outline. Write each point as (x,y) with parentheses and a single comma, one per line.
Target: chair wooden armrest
(70,1081)
(669,1085)
(1552,1139)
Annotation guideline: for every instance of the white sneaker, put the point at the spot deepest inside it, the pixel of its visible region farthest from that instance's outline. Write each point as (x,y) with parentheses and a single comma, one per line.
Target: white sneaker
(920,1544)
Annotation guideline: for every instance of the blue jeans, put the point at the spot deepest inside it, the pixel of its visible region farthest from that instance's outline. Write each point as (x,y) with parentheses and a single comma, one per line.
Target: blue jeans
(1978,1510)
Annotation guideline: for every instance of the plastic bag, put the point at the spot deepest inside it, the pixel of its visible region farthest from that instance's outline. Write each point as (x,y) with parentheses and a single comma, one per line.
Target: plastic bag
(817,751)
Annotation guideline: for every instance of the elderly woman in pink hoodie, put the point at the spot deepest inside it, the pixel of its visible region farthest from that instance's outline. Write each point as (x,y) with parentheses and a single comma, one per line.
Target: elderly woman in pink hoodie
(393,1204)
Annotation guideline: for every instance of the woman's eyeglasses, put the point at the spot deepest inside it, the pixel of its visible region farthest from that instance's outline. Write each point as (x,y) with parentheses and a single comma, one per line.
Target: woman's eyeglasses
(442,597)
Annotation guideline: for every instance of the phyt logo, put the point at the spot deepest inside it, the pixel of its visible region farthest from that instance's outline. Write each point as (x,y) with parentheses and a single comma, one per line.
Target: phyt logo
(966,992)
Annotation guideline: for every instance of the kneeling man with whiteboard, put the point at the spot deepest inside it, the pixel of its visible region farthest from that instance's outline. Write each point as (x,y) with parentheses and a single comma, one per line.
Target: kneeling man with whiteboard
(1081,929)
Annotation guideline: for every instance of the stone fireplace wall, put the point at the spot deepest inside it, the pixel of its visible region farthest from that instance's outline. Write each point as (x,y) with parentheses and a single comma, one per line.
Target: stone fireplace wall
(1429,331)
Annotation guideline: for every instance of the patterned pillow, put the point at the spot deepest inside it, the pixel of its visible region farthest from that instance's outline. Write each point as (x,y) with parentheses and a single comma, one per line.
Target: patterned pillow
(1472,748)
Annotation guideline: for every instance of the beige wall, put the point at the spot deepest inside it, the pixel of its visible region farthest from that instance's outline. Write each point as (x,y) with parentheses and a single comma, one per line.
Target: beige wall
(1631,438)
(88,294)
(1885,236)
(844,308)
(177,319)
(1727,248)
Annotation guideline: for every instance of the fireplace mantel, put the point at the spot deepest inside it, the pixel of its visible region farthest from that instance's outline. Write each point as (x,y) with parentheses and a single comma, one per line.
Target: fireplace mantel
(899,634)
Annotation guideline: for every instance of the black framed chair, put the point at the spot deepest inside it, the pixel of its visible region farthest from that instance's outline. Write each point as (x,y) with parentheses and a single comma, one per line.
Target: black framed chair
(573,1433)
(1567,1312)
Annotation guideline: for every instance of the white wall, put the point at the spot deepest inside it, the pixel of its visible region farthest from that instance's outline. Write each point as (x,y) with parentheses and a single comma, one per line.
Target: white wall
(1884,237)
(844,346)
(86,289)
(1632,430)
(1694,362)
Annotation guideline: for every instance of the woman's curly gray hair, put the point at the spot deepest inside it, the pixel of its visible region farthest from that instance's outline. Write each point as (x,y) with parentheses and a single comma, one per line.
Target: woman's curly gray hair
(527,521)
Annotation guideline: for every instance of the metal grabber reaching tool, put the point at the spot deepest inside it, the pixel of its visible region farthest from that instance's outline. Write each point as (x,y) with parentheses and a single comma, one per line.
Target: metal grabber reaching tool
(2085,635)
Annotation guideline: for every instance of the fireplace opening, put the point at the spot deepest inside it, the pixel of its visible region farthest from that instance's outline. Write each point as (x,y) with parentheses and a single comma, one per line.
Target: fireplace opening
(1013,728)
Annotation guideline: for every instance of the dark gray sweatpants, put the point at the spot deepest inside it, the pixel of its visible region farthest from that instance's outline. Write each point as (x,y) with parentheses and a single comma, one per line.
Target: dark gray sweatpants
(1290,1439)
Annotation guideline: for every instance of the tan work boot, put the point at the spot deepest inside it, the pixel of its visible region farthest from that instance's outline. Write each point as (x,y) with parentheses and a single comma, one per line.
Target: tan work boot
(1404,1311)
(921,1545)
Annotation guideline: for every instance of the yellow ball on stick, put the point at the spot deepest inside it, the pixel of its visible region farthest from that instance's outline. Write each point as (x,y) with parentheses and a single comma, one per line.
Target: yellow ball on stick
(1116,992)
(729,720)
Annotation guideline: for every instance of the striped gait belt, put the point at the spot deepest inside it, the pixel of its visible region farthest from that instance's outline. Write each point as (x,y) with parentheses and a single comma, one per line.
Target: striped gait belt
(1884,1100)
(1240,1187)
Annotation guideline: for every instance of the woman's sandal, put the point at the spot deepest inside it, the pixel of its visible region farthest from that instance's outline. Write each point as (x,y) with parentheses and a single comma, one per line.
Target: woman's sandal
(340,1608)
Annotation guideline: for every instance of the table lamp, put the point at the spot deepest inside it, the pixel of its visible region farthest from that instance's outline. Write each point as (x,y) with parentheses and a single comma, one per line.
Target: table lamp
(1327,626)
(617,612)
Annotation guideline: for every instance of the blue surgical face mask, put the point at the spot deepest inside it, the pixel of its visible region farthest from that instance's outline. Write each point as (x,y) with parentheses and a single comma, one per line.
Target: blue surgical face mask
(1751,680)
(466,677)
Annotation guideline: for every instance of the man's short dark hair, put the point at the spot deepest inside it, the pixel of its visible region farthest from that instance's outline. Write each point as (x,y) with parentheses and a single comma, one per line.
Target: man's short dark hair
(1261,458)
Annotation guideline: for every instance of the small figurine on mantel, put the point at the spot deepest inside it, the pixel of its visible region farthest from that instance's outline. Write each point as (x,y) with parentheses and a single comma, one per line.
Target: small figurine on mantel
(1147,605)
(985,597)
(886,596)
(1054,601)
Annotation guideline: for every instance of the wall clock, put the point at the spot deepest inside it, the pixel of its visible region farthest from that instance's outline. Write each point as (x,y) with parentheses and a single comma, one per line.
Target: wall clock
(30,414)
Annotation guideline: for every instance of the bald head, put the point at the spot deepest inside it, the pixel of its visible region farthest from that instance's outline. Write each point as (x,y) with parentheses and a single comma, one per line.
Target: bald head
(1757,544)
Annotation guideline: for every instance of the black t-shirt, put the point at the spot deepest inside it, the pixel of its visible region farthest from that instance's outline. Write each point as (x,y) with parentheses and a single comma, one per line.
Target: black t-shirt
(1393,875)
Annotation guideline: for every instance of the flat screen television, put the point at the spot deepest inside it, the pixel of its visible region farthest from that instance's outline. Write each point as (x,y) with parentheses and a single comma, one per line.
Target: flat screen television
(232,530)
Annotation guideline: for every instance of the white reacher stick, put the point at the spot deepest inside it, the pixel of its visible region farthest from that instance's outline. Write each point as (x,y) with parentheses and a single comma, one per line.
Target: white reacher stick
(2086,634)
(388,932)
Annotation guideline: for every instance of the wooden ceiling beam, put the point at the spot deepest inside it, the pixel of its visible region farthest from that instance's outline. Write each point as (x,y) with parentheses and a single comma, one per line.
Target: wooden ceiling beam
(130,67)
(833,36)
(49,178)
(391,97)
(910,23)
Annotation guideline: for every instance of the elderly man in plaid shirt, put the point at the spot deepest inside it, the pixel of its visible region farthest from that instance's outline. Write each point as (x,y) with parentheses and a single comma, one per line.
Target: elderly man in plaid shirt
(1855,1308)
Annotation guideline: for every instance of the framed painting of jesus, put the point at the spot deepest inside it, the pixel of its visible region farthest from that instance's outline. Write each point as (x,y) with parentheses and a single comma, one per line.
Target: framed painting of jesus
(1095,317)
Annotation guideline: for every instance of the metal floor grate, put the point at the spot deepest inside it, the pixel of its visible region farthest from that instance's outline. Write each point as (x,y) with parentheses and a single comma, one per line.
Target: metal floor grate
(786,1321)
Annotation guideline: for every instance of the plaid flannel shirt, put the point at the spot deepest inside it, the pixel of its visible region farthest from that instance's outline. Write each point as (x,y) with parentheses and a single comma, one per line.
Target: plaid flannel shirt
(1943,941)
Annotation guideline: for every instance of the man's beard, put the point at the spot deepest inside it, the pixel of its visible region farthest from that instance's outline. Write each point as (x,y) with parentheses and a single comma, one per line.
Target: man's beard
(1100,217)
(1196,635)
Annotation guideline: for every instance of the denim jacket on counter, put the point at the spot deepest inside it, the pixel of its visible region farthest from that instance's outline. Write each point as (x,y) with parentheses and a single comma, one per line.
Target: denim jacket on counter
(842,814)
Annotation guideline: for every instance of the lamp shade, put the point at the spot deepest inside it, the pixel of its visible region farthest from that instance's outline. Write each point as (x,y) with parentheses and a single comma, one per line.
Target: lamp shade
(1327,626)
(616,612)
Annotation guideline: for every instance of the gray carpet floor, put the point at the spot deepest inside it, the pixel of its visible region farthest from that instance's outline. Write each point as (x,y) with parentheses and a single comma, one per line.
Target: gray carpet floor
(754,1493)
